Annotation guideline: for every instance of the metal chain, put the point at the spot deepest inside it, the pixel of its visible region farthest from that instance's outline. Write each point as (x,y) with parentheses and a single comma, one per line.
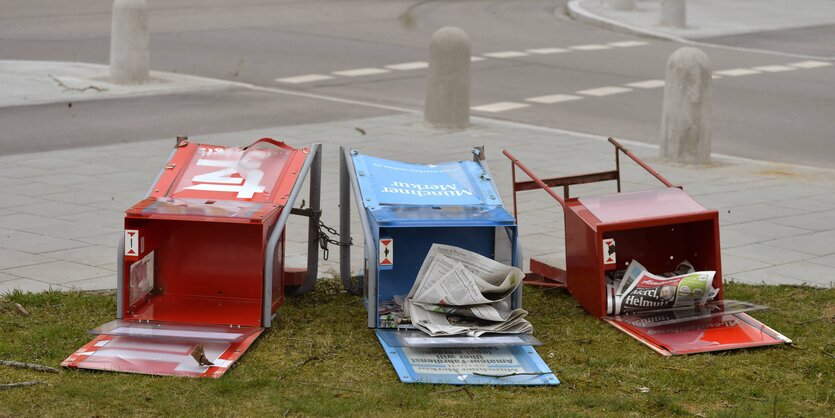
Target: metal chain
(325,232)
(325,239)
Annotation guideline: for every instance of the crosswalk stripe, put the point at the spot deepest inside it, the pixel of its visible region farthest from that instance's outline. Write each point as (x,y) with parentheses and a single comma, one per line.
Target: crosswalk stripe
(774,68)
(499,107)
(736,72)
(604,91)
(553,98)
(308,78)
(360,72)
(810,64)
(627,44)
(546,51)
(408,66)
(649,84)
(591,47)
(505,54)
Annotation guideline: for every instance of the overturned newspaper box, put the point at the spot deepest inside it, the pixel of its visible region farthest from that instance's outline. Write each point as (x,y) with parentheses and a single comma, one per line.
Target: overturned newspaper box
(201,268)
(617,247)
(440,277)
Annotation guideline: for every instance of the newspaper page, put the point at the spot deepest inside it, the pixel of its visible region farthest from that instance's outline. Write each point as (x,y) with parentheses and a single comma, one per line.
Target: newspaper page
(461,292)
(640,290)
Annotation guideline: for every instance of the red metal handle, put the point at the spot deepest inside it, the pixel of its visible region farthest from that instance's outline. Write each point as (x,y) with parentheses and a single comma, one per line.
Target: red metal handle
(640,162)
(270,141)
(533,177)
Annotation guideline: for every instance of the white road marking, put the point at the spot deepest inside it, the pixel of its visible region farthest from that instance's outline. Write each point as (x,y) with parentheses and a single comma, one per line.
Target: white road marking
(810,64)
(408,66)
(590,47)
(553,98)
(604,91)
(506,54)
(546,51)
(361,72)
(715,76)
(628,44)
(499,107)
(476,59)
(649,84)
(736,72)
(774,68)
(309,78)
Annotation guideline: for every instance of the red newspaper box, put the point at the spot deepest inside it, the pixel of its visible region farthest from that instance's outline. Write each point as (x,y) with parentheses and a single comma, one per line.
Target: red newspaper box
(659,228)
(201,267)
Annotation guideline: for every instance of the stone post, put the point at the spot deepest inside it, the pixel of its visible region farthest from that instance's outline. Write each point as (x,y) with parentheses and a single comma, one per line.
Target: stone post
(448,90)
(685,118)
(129,42)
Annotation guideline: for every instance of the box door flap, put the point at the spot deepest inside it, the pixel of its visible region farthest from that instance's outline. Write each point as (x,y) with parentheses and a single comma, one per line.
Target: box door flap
(717,333)
(165,351)
(419,339)
(151,329)
(468,365)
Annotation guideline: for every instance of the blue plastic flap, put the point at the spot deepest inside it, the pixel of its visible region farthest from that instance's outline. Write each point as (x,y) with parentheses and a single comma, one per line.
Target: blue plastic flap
(387,182)
(510,365)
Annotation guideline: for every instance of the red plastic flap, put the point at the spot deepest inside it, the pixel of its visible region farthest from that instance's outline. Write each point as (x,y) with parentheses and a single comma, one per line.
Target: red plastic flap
(726,332)
(158,355)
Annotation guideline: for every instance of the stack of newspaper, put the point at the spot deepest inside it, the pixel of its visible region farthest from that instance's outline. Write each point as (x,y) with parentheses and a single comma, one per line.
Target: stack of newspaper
(460,292)
(636,289)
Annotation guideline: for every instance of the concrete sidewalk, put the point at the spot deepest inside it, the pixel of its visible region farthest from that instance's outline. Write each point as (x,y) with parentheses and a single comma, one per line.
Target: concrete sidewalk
(26,83)
(61,211)
(709,18)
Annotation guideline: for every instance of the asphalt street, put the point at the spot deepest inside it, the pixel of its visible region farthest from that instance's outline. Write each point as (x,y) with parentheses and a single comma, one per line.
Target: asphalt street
(536,66)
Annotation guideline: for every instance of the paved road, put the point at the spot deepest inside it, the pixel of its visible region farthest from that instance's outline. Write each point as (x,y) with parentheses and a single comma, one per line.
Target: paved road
(102,122)
(772,107)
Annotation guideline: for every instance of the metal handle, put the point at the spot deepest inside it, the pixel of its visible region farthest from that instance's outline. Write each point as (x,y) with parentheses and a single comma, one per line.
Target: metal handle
(640,162)
(270,141)
(515,162)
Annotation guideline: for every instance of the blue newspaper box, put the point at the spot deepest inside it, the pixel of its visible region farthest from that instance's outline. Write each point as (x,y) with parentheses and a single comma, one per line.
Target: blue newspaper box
(404,209)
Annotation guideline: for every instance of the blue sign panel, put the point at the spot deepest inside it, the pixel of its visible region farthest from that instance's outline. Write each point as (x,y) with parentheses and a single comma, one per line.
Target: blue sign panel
(445,184)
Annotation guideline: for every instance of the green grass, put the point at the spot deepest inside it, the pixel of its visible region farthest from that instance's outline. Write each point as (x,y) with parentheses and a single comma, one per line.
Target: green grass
(601,368)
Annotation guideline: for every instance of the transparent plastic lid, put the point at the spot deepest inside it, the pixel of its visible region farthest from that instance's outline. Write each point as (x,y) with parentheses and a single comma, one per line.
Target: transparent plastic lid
(655,318)
(222,173)
(414,338)
(621,207)
(203,207)
(177,331)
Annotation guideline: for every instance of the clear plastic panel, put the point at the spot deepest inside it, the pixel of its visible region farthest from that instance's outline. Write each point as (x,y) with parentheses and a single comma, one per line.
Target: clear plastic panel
(231,173)
(441,214)
(175,331)
(203,207)
(397,183)
(655,318)
(622,207)
(419,339)
(154,356)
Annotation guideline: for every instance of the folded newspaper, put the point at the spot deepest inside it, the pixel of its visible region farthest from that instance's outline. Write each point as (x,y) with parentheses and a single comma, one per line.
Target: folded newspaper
(639,290)
(460,292)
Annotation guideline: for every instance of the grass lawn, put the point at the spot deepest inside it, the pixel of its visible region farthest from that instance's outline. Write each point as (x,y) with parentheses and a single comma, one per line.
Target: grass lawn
(319,359)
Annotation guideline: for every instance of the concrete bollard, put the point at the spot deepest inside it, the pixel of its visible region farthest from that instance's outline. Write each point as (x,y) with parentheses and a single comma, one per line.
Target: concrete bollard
(673,13)
(685,118)
(448,90)
(129,42)
(624,5)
